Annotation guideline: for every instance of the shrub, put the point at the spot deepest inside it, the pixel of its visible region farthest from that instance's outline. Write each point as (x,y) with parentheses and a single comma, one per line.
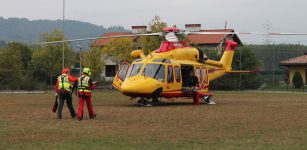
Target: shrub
(297,80)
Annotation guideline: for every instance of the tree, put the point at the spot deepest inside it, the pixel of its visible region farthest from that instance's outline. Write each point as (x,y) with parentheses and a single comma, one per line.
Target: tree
(47,59)
(2,43)
(93,60)
(297,80)
(157,25)
(118,50)
(25,53)
(11,67)
(150,43)
(232,81)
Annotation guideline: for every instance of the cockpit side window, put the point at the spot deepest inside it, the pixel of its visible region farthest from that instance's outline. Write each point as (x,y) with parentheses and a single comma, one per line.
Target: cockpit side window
(134,70)
(123,71)
(156,71)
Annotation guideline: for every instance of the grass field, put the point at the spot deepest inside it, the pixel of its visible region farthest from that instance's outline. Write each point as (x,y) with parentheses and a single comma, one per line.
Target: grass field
(239,121)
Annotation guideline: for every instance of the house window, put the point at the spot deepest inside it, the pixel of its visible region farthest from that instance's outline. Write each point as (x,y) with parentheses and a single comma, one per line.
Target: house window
(110,70)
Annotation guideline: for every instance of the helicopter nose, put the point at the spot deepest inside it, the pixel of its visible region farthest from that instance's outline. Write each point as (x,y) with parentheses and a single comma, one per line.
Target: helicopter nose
(139,85)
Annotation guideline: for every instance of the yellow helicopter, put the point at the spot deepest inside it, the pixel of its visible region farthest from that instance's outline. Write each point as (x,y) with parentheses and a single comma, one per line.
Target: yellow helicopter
(166,71)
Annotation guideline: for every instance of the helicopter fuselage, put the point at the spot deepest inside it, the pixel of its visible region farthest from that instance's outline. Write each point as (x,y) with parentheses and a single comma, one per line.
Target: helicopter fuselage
(165,72)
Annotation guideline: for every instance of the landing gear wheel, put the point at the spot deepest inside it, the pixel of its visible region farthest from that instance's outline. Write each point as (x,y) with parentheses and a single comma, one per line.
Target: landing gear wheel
(148,102)
(144,102)
(207,100)
(156,101)
(141,102)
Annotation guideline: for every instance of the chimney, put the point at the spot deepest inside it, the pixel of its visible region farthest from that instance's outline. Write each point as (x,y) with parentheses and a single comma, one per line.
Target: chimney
(139,29)
(192,27)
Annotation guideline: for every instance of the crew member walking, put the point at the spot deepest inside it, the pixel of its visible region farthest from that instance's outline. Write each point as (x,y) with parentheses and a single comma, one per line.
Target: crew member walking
(85,85)
(63,89)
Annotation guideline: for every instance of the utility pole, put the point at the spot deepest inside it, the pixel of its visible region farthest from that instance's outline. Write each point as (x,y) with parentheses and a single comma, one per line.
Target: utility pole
(267,27)
(63,44)
(273,69)
(80,48)
(240,82)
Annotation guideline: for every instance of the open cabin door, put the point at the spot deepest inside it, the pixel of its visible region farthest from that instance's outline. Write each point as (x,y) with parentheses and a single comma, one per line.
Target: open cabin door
(121,75)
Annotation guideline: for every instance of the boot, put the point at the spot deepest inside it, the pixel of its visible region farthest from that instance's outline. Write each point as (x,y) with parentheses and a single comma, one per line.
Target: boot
(93,116)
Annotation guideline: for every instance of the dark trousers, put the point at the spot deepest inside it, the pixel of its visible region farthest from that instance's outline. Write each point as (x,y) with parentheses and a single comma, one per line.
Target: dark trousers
(66,96)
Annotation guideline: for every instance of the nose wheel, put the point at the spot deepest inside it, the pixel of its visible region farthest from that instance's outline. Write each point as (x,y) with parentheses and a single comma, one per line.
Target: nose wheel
(148,102)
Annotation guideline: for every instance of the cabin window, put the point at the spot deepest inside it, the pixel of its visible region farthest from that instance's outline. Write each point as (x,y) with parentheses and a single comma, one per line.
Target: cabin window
(134,70)
(162,60)
(198,74)
(170,75)
(123,71)
(138,60)
(156,71)
(177,74)
(205,75)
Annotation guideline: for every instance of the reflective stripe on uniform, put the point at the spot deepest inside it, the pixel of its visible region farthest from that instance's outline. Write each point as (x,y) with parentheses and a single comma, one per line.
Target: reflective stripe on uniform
(64,83)
(83,84)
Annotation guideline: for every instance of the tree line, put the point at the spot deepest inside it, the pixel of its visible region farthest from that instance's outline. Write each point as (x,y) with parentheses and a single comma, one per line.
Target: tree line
(28,67)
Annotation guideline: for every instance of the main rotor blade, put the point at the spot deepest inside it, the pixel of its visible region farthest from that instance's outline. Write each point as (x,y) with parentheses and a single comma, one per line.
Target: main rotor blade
(96,38)
(241,33)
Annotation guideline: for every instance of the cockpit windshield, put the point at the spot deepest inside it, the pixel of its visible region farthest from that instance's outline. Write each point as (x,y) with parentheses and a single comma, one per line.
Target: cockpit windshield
(134,70)
(156,71)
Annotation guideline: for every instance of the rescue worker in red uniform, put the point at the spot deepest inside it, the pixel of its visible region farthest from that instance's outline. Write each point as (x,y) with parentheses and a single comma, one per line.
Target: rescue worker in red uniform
(85,85)
(63,89)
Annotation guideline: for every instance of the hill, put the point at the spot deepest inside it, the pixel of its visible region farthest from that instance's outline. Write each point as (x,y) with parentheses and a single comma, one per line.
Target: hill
(25,30)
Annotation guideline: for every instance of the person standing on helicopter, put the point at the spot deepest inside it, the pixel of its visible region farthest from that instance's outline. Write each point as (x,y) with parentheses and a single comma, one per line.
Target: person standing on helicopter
(85,85)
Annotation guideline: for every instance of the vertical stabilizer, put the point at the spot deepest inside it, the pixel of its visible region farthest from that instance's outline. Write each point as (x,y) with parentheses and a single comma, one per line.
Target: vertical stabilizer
(227,57)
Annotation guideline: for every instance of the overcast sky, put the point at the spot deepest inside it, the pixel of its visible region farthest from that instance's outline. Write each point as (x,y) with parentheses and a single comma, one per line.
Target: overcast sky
(241,15)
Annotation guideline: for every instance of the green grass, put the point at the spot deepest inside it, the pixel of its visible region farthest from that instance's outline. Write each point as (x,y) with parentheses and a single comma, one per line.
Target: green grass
(240,120)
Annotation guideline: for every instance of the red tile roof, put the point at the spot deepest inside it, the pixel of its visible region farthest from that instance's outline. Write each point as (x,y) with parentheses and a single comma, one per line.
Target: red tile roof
(101,42)
(213,38)
(195,39)
(301,60)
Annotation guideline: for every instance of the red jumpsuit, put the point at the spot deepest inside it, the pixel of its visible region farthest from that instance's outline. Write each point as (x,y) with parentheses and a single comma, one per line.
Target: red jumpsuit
(86,96)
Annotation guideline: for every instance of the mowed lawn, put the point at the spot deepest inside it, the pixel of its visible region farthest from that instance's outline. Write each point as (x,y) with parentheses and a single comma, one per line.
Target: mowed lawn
(244,120)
